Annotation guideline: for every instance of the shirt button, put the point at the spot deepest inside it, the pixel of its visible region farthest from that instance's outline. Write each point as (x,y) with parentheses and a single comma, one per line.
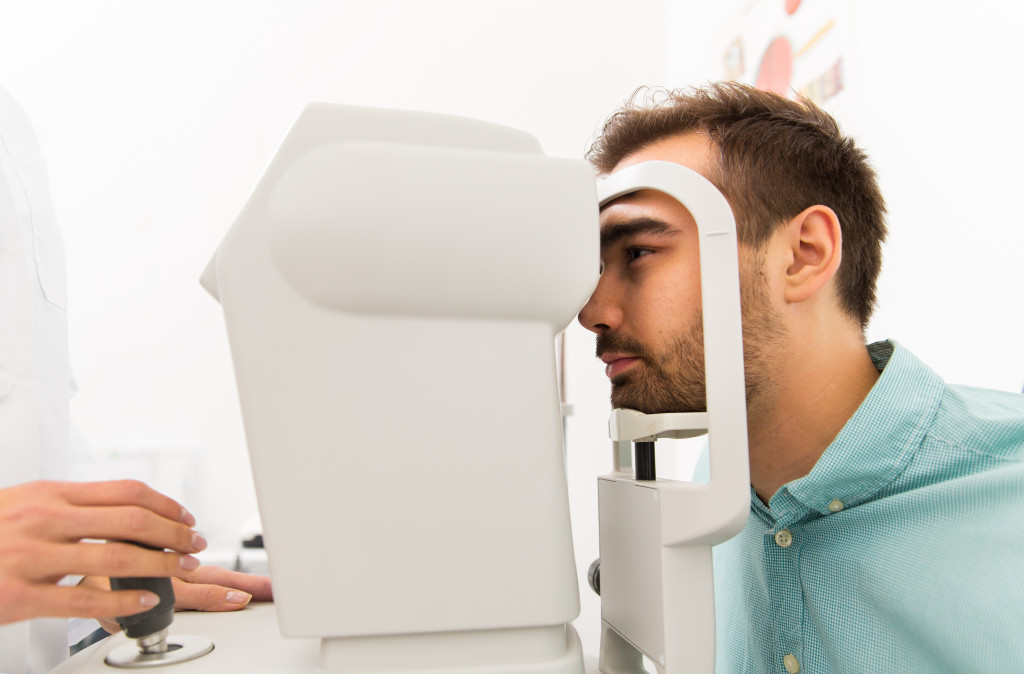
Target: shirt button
(836,505)
(791,664)
(784,539)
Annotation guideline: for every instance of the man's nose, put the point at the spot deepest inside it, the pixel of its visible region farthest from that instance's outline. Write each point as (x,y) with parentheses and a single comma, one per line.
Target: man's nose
(601,312)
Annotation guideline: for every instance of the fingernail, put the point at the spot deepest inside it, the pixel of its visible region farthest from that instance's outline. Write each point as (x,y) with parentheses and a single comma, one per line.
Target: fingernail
(148,599)
(237,597)
(188,562)
(198,542)
(188,518)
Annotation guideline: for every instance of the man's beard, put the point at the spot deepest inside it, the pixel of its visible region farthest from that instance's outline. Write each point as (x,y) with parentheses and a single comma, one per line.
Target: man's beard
(674,380)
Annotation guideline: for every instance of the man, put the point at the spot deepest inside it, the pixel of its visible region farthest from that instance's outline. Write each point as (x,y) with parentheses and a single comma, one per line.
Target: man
(885,532)
(43,524)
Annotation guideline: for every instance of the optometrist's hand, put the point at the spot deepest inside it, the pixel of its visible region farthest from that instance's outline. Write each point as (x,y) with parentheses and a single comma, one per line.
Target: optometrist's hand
(52,529)
(212,588)
(208,588)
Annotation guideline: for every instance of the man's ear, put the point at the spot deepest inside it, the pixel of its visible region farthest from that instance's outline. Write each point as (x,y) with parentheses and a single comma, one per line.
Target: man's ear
(814,241)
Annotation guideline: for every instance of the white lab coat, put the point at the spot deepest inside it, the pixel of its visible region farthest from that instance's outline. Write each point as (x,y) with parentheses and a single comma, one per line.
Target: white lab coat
(35,381)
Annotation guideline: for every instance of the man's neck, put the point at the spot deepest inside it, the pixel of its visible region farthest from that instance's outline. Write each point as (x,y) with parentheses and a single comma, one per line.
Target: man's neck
(815,393)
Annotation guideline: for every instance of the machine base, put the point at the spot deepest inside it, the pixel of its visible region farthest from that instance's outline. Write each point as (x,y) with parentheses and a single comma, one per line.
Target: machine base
(180,648)
(249,641)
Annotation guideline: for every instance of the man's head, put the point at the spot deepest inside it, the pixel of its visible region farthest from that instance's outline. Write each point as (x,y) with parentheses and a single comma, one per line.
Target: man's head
(787,171)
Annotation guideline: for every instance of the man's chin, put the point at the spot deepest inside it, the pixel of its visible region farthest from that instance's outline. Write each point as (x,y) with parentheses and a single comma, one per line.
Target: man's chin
(625,400)
(623,397)
(657,409)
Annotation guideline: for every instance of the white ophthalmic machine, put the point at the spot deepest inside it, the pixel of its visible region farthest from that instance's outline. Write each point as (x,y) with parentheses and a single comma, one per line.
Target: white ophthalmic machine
(391,291)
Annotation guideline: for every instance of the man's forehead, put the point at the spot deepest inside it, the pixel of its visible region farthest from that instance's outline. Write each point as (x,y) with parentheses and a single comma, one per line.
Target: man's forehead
(645,205)
(692,150)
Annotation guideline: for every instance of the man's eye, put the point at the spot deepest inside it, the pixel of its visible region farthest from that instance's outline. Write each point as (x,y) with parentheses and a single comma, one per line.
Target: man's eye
(635,253)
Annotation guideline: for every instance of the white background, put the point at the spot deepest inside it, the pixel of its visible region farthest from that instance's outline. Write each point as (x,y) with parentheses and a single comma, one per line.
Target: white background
(157,118)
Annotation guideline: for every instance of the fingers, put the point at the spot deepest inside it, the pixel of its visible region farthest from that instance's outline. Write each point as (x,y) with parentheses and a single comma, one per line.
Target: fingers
(208,597)
(106,559)
(124,510)
(257,586)
(42,525)
(80,601)
(108,623)
(130,523)
(109,626)
(125,492)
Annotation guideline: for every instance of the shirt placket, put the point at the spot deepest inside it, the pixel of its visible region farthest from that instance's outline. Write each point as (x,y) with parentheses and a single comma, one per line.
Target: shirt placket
(782,544)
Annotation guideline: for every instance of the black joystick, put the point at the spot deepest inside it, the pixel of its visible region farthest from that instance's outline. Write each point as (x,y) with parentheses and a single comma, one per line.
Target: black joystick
(149,628)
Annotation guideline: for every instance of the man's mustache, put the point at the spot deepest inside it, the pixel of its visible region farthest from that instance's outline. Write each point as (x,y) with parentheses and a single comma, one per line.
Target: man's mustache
(616,343)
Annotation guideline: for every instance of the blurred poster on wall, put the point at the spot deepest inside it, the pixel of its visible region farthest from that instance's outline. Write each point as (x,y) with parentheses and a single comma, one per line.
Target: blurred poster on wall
(793,47)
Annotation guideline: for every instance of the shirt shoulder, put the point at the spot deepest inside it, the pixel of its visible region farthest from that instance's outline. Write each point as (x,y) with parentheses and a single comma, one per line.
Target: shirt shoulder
(980,421)
(975,443)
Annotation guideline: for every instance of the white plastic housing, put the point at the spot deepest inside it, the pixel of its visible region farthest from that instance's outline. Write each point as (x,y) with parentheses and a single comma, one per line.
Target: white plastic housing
(392,290)
(657,593)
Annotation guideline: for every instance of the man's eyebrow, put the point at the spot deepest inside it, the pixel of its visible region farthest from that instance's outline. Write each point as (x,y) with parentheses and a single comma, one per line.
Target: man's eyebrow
(615,232)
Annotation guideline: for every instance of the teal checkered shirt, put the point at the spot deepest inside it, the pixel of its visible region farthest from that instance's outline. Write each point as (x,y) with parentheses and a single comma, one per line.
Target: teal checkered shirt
(901,551)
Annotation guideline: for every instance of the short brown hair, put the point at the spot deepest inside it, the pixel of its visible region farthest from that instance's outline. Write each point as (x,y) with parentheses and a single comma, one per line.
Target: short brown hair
(776,157)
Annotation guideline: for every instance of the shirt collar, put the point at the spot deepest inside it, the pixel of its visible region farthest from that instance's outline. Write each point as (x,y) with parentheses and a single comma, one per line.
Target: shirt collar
(876,444)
